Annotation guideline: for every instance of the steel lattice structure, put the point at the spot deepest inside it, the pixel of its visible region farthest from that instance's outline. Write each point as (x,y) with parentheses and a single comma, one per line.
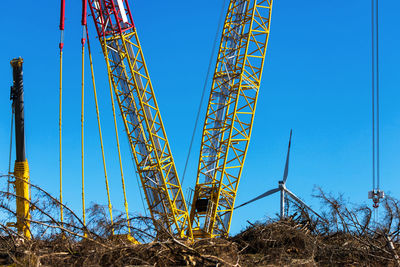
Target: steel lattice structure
(230,114)
(228,123)
(135,96)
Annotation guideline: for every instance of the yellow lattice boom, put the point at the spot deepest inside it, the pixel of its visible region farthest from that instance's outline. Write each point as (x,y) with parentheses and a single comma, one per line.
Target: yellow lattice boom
(135,96)
(230,114)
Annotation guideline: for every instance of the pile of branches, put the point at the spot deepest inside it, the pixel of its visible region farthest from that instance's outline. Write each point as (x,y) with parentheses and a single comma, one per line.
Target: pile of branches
(113,252)
(340,237)
(344,235)
(98,242)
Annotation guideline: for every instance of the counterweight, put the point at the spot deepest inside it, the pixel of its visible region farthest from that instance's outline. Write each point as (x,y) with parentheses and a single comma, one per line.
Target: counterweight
(230,114)
(135,96)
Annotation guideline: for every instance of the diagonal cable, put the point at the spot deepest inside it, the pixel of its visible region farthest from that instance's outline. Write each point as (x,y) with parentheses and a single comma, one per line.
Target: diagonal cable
(204,91)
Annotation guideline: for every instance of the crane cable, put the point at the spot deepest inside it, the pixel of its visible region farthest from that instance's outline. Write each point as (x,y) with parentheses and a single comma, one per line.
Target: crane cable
(82,135)
(83,41)
(119,156)
(60,134)
(61,45)
(373,92)
(377,99)
(376,194)
(204,91)
(377,110)
(119,150)
(118,145)
(101,136)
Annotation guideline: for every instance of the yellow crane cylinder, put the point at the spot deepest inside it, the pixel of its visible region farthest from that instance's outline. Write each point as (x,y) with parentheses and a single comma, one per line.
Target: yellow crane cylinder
(21,168)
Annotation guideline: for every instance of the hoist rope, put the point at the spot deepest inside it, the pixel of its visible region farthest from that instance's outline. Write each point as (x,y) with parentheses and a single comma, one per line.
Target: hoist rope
(83,41)
(377,97)
(82,131)
(60,134)
(376,193)
(373,92)
(119,152)
(204,90)
(100,134)
(118,145)
(61,45)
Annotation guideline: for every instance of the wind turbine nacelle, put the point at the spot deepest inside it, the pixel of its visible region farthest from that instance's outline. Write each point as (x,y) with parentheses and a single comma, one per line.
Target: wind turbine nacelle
(281,185)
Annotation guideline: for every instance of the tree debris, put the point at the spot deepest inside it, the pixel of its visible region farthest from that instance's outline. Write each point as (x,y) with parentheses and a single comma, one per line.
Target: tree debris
(345,236)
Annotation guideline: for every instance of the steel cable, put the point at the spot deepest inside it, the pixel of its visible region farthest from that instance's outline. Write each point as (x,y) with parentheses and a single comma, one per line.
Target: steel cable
(204,90)
(82,129)
(101,136)
(61,45)
(60,137)
(377,97)
(119,150)
(373,92)
(377,194)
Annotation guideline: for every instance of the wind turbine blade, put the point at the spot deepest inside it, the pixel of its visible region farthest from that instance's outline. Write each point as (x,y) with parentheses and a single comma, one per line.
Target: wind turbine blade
(296,198)
(286,172)
(270,192)
(302,202)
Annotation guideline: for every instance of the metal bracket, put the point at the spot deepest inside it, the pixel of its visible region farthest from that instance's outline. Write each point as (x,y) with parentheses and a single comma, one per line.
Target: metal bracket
(376,195)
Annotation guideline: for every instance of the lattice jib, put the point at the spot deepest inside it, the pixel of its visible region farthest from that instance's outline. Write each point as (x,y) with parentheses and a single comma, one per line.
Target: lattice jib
(230,115)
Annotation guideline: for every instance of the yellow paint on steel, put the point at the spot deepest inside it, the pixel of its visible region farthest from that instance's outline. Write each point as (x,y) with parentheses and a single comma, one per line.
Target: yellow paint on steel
(60,136)
(101,136)
(119,154)
(148,141)
(117,138)
(126,238)
(230,115)
(82,134)
(21,173)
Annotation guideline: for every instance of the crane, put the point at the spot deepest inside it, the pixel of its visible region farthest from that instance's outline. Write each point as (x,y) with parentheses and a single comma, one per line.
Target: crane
(227,127)
(230,115)
(142,119)
(21,167)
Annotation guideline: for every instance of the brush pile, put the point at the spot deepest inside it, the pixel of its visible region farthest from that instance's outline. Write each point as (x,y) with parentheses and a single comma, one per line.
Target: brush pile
(286,243)
(342,236)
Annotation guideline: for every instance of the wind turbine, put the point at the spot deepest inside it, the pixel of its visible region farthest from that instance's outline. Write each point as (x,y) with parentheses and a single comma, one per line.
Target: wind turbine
(283,190)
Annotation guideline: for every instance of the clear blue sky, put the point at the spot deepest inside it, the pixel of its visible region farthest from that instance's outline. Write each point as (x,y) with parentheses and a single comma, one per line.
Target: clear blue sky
(316,81)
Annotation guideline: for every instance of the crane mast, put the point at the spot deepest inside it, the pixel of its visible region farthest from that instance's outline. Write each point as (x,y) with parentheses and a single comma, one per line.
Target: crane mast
(230,114)
(133,89)
(21,168)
